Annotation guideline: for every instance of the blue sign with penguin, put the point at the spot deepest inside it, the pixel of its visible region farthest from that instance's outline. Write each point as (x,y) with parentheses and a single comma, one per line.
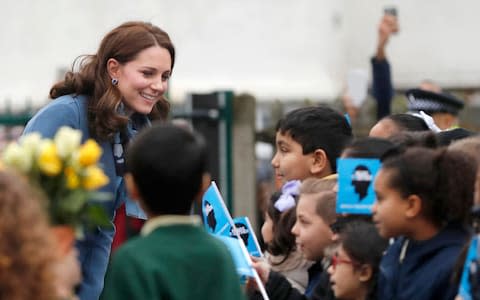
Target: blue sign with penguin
(355,185)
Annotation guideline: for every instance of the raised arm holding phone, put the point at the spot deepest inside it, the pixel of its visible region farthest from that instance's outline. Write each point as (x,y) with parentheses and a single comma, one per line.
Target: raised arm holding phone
(382,87)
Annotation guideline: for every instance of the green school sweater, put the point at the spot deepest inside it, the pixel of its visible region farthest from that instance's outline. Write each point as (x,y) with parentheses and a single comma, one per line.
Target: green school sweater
(179,261)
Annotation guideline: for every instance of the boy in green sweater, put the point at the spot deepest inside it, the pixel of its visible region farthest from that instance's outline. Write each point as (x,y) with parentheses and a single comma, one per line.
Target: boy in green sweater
(174,258)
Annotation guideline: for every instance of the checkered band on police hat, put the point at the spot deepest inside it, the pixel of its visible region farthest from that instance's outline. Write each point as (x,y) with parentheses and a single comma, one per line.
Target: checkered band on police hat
(431,102)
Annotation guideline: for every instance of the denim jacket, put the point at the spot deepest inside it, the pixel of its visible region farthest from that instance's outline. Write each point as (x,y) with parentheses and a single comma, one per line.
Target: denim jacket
(94,250)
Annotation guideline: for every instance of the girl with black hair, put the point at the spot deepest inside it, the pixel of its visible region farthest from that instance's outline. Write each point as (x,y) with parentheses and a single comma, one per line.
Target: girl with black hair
(354,267)
(282,253)
(424,198)
(393,124)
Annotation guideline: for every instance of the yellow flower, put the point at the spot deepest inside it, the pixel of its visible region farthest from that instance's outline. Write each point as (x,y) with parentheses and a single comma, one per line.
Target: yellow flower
(94,178)
(89,153)
(17,157)
(48,160)
(73,181)
(67,140)
(66,171)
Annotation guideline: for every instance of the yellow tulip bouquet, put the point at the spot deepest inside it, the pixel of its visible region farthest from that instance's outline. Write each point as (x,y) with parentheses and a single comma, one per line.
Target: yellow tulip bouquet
(68,174)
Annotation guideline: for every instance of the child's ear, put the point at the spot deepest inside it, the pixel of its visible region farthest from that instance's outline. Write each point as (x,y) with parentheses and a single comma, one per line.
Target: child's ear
(414,206)
(320,163)
(131,186)
(365,273)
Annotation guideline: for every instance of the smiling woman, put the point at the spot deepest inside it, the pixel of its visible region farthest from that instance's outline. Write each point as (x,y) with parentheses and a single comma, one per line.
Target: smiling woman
(142,81)
(110,96)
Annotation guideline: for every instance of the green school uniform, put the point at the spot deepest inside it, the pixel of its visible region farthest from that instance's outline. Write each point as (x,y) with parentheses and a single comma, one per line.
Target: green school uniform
(175,258)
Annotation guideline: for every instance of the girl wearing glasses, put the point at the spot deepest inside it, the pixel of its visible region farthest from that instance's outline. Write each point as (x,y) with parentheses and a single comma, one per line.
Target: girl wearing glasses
(354,267)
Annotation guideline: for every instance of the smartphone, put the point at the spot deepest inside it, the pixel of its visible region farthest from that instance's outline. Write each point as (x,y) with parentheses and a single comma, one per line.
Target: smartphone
(391,10)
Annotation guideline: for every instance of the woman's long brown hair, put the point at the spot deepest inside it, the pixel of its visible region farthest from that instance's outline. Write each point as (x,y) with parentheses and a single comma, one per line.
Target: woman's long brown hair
(123,44)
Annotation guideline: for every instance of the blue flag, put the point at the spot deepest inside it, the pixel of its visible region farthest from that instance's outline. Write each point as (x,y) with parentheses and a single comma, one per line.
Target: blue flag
(247,234)
(355,185)
(465,290)
(219,223)
(216,217)
(239,254)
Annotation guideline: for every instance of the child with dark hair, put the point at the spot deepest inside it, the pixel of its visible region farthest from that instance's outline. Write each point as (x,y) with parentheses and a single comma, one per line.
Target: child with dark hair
(406,139)
(393,124)
(469,278)
(309,140)
(423,199)
(315,212)
(470,147)
(282,253)
(449,136)
(174,258)
(368,147)
(354,267)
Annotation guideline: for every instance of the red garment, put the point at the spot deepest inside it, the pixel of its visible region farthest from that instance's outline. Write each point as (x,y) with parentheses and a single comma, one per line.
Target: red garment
(125,227)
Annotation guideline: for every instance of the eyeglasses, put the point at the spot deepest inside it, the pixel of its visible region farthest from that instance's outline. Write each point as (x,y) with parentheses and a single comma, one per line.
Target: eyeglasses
(336,227)
(336,260)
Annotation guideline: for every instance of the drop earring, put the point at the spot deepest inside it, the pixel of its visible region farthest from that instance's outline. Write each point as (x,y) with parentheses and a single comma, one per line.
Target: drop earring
(114,81)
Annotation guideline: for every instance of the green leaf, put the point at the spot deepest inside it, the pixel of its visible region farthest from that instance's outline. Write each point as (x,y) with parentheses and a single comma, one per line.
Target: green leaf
(73,202)
(96,215)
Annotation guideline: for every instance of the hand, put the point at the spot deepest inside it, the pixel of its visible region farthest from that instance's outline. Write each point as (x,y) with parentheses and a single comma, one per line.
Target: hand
(263,270)
(388,25)
(68,274)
